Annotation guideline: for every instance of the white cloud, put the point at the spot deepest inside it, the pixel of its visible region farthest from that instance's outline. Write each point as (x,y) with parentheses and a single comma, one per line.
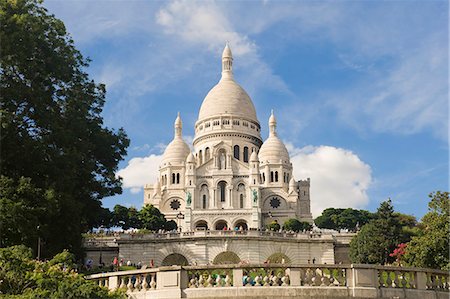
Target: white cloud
(202,23)
(140,171)
(339,178)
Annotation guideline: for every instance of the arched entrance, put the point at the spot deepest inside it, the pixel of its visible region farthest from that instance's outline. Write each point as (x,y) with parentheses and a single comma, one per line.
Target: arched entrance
(279,258)
(221,225)
(175,259)
(201,225)
(226,257)
(241,223)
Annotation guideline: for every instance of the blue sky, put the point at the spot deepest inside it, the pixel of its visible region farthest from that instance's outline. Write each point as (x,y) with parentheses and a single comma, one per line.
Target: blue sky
(360,89)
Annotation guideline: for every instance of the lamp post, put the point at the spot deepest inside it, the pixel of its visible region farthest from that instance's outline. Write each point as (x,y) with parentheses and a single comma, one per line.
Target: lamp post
(179,217)
(39,242)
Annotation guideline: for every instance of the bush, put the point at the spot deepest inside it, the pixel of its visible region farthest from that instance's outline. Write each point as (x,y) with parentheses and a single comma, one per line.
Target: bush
(296,225)
(274,226)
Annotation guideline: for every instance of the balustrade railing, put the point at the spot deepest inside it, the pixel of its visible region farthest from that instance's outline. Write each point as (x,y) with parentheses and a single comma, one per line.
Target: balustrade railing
(342,277)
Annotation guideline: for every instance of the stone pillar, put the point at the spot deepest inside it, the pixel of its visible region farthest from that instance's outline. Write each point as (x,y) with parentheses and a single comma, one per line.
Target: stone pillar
(113,282)
(363,281)
(421,280)
(294,276)
(237,277)
(171,281)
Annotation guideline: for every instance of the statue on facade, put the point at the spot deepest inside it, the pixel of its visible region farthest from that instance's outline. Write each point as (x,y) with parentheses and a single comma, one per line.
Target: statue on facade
(222,161)
(255,196)
(188,198)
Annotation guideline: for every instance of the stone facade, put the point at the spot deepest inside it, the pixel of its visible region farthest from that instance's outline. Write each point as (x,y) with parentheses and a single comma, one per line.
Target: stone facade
(232,178)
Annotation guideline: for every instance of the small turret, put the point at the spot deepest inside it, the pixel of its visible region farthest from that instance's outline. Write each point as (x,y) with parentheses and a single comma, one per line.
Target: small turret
(292,185)
(227,63)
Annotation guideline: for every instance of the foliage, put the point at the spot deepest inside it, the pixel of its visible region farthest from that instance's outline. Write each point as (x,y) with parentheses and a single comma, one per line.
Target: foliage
(58,160)
(23,277)
(274,226)
(296,225)
(378,238)
(151,218)
(148,218)
(430,247)
(170,225)
(343,218)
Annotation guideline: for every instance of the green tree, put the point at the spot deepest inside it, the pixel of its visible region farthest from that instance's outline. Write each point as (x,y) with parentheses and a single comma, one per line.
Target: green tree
(378,238)
(120,217)
(170,225)
(430,247)
(52,132)
(296,225)
(274,226)
(24,277)
(151,218)
(343,218)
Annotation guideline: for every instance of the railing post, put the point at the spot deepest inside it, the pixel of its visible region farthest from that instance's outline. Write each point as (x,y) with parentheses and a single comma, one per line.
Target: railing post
(113,282)
(170,281)
(294,276)
(237,277)
(421,280)
(364,282)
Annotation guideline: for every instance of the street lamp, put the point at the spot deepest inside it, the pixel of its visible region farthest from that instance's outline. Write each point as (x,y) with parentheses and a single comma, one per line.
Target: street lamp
(39,242)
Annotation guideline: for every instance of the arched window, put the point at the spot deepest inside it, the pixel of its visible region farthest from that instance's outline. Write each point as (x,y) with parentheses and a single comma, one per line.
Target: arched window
(173,178)
(241,201)
(276,176)
(263,177)
(200,157)
(271,176)
(287,177)
(178,178)
(222,191)
(236,152)
(206,153)
(245,154)
(204,201)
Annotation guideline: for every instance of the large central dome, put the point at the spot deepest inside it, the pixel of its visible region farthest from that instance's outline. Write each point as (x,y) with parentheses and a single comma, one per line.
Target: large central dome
(227,97)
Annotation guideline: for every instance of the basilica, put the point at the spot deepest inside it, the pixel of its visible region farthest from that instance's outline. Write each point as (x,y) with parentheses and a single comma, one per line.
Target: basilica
(232,178)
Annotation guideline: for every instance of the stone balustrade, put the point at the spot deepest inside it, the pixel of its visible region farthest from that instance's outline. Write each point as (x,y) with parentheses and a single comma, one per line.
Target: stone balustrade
(234,233)
(279,281)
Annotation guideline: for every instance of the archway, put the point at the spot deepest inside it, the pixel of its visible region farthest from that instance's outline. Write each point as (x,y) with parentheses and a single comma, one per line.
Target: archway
(201,225)
(221,225)
(226,257)
(175,259)
(277,258)
(241,223)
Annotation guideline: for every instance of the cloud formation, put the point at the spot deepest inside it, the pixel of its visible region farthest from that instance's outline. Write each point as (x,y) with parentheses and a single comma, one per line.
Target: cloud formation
(339,179)
(140,171)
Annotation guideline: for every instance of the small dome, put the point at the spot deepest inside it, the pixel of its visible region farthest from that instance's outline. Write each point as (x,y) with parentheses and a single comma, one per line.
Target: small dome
(273,149)
(254,157)
(190,158)
(292,182)
(176,152)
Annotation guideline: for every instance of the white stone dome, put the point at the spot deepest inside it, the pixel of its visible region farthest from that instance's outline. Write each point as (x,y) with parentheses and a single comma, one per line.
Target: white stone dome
(190,158)
(273,149)
(177,150)
(227,97)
